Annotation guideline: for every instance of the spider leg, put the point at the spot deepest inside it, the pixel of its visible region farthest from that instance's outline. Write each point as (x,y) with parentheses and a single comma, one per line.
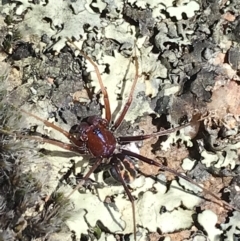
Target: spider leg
(108,115)
(55,127)
(119,120)
(96,164)
(92,169)
(66,146)
(115,164)
(69,147)
(152,162)
(123,139)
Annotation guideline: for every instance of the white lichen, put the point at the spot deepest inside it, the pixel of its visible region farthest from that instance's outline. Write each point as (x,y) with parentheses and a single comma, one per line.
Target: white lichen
(189,9)
(208,220)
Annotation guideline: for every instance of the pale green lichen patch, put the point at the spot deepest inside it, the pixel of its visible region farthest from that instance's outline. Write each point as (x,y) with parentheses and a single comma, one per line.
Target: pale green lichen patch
(73,21)
(173,137)
(152,4)
(188,164)
(171,200)
(189,9)
(208,220)
(176,220)
(89,209)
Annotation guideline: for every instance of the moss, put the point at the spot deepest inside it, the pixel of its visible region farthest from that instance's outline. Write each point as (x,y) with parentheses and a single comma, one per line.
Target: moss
(25,214)
(97,232)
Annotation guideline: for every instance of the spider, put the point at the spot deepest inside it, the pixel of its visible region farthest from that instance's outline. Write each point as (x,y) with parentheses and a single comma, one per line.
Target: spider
(96,137)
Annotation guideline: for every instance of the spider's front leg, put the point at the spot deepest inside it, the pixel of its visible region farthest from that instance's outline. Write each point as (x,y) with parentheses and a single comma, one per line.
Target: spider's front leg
(108,114)
(76,145)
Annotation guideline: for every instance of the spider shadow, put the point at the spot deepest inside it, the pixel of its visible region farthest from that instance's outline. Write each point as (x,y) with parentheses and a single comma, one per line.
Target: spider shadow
(123,87)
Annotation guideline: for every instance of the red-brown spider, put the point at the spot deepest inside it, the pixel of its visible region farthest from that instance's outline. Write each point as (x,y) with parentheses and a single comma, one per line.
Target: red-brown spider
(96,137)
